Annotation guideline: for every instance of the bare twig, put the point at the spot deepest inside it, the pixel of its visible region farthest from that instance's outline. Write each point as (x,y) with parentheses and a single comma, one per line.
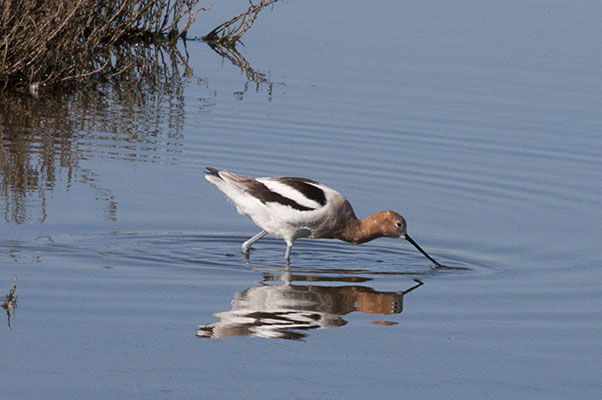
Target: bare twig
(228,33)
(10,301)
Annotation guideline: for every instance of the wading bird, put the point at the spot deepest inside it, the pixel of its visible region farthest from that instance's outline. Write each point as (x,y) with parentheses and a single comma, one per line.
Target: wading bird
(292,208)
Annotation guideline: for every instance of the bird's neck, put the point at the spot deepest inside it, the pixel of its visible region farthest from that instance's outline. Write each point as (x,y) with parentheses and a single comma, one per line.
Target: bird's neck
(362,231)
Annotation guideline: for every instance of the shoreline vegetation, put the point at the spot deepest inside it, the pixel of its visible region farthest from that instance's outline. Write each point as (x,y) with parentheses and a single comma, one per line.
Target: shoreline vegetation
(63,43)
(40,141)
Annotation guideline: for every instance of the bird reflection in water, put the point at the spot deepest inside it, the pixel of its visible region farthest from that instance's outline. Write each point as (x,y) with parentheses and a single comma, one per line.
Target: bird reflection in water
(288,311)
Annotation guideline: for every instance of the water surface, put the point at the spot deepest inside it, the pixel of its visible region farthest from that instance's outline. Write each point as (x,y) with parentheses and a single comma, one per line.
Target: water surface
(478,122)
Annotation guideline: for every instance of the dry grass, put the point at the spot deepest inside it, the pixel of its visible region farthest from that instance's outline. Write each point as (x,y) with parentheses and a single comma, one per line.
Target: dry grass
(66,41)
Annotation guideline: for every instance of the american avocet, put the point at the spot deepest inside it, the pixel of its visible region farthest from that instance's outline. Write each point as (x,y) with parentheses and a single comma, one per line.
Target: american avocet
(292,208)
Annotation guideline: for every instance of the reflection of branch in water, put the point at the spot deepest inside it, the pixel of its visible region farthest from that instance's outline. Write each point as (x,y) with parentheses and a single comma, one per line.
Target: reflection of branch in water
(223,40)
(286,310)
(44,139)
(89,177)
(251,75)
(10,302)
(238,60)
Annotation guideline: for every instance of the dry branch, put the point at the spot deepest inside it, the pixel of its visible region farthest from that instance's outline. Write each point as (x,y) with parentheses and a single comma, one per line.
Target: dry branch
(228,33)
(10,301)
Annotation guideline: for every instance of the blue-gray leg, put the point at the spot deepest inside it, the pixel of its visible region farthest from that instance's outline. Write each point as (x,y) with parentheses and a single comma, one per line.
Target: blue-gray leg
(247,245)
(287,254)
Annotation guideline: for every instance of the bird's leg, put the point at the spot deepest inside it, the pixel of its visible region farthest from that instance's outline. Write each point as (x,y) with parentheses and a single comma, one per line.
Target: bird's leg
(287,254)
(247,245)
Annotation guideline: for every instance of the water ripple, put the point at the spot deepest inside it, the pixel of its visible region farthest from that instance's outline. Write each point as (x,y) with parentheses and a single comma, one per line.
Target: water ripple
(209,250)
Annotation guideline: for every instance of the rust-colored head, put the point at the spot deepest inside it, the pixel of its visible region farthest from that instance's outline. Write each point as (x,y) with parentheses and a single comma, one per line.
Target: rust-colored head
(382,224)
(390,224)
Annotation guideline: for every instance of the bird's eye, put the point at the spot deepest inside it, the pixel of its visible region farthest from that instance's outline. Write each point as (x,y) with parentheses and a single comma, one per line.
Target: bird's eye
(398,224)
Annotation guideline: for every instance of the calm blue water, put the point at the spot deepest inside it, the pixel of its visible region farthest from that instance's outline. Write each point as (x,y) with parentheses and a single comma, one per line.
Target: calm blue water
(479,122)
